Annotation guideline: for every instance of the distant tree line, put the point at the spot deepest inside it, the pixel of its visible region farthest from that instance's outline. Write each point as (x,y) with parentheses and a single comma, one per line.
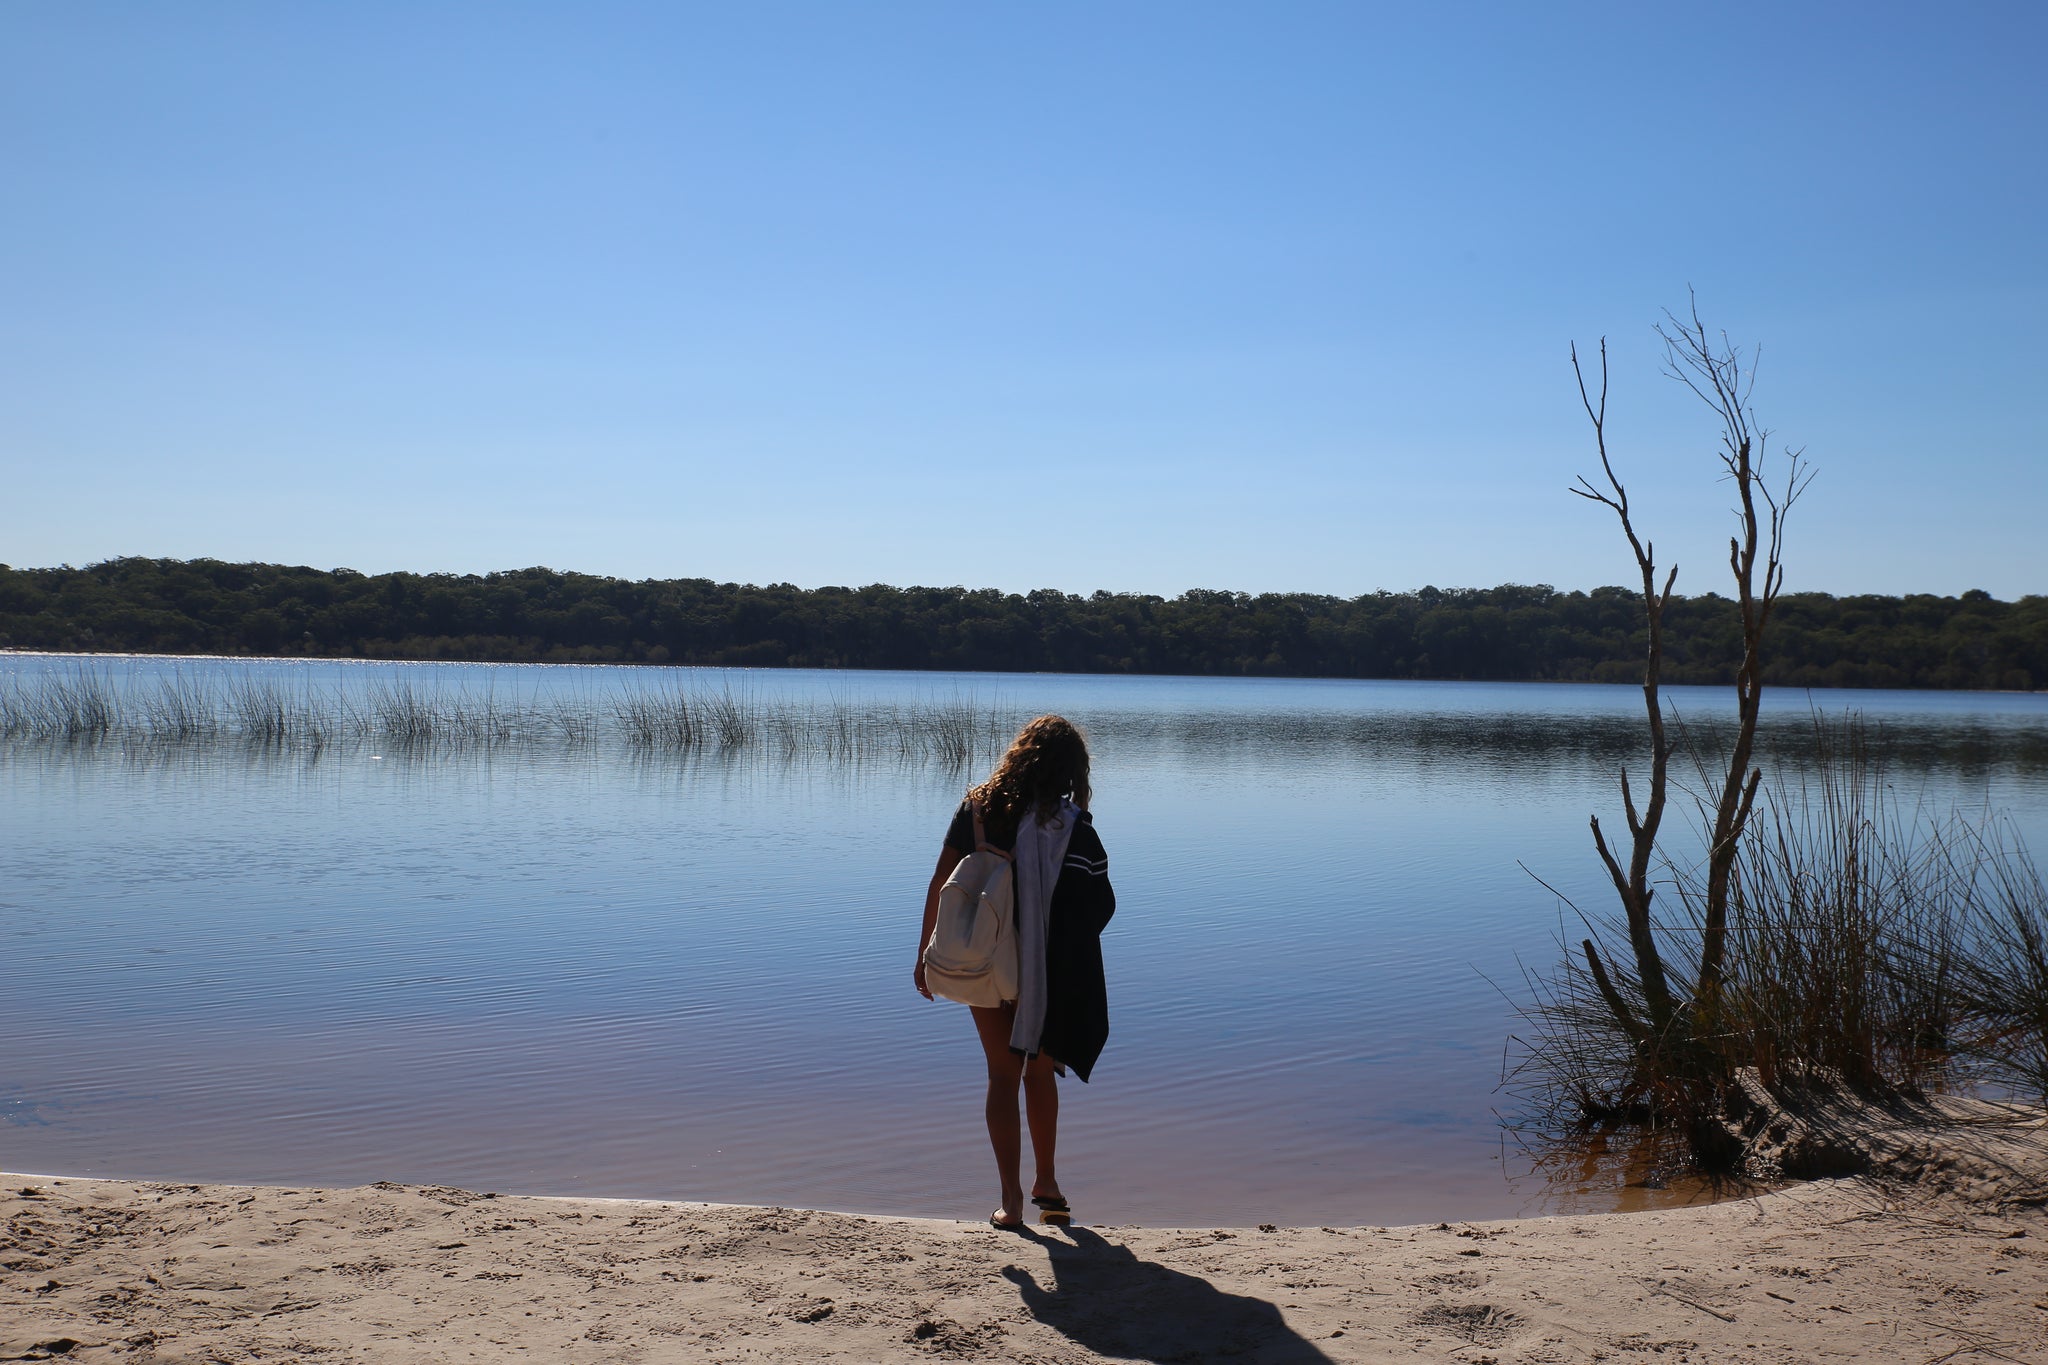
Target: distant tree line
(1512,632)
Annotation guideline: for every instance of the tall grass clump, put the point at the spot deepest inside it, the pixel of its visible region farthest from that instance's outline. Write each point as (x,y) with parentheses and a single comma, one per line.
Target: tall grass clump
(269,712)
(2002,969)
(564,720)
(949,731)
(791,728)
(733,716)
(403,715)
(838,729)
(480,720)
(261,710)
(14,709)
(658,718)
(79,705)
(179,709)
(1846,922)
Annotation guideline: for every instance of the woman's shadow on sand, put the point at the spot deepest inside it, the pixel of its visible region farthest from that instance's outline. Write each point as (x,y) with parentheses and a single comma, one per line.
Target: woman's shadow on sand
(1106,1299)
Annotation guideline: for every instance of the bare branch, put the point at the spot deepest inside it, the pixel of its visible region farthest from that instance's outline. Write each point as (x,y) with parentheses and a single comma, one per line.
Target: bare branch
(1616,1006)
(1613,867)
(1628,806)
(1633,886)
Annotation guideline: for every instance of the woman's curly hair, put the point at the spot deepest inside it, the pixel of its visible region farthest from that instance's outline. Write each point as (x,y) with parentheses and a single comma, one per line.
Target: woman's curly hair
(1047,761)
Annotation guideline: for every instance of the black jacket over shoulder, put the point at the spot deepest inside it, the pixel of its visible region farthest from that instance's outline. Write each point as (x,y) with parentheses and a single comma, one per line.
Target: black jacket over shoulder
(1077,997)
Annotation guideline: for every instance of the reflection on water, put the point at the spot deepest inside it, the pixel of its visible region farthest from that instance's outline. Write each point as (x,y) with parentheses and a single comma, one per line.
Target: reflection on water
(590,967)
(1614,1171)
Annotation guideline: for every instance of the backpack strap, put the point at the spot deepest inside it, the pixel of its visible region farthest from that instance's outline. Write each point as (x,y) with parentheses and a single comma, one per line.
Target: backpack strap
(981,843)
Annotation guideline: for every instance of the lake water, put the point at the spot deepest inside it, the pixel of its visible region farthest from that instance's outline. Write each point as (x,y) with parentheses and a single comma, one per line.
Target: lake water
(560,963)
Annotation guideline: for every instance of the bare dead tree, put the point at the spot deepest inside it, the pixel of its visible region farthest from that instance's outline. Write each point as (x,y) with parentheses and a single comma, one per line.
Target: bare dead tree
(1716,372)
(1633,885)
(1811,948)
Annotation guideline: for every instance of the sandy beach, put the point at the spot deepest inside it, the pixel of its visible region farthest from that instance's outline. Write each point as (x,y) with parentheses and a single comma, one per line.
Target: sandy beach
(1827,1271)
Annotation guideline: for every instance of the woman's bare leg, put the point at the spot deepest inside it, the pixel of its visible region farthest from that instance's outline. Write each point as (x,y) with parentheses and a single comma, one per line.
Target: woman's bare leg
(1042,1110)
(1004,1070)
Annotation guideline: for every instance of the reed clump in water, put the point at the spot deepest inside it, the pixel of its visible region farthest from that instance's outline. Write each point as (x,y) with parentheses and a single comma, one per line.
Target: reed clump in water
(563,720)
(271,713)
(949,732)
(678,715)
(180,710)
(404,716)
(733,719)
(659,718)
(261,711)
(955,732)
(79,705)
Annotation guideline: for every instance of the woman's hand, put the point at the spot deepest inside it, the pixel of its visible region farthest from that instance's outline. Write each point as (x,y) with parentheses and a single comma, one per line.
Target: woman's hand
(918,977)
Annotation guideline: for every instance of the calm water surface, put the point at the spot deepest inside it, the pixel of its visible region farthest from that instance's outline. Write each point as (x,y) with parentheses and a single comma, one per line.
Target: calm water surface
(580,968)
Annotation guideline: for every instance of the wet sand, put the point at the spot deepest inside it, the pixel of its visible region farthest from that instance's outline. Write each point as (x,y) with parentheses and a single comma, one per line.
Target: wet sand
(1830,1271)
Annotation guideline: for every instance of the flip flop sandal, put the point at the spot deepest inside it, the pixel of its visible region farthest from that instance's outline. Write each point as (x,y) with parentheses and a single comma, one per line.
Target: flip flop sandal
(995,1220)
(1053,1210)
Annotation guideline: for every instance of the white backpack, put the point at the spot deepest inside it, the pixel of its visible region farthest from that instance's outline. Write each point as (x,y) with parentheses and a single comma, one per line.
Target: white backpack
(972,957)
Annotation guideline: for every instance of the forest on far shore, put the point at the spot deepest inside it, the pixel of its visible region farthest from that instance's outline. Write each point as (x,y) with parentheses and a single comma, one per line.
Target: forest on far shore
(1509,633)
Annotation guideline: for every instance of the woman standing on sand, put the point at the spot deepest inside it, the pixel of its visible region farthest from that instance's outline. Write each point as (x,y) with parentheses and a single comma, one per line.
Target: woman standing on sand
(1034,806)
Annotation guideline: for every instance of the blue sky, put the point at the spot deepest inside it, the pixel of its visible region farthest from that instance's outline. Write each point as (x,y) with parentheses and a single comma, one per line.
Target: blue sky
(1130,296)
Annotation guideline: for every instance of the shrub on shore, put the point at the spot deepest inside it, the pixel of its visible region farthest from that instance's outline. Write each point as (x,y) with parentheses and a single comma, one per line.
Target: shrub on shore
(1875,948)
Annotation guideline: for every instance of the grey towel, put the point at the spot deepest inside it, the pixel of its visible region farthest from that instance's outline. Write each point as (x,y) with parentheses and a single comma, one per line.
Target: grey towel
(1041,848)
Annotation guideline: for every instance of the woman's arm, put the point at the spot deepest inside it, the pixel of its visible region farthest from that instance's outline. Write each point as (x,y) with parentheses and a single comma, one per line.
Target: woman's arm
(949,858)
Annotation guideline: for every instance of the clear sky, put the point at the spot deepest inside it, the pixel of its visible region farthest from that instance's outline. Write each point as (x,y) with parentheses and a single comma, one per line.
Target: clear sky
(1080,295)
